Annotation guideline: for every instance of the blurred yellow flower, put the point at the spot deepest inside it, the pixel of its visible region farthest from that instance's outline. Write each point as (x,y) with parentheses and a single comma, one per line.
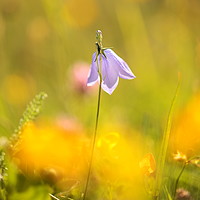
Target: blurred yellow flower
(180,156)
(148,165)
(109,141)
(52,152)
(195,161)
(115,155)
(185,135)
(80,13)
(60,151)
(116,162)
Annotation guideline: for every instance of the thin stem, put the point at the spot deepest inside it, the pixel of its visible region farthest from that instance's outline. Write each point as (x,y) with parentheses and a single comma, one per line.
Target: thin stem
(53,197)
(178,178)
(164,146)
(95,135)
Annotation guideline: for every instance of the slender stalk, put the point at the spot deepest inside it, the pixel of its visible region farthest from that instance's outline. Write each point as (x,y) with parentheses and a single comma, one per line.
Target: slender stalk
(164,146)
(95,132)
(178,178)
(53,197)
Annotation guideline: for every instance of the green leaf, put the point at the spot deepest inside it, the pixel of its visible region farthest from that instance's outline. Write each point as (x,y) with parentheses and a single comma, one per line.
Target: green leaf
(167,193)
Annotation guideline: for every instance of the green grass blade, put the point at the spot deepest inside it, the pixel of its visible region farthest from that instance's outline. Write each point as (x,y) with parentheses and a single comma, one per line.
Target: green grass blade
(164,145)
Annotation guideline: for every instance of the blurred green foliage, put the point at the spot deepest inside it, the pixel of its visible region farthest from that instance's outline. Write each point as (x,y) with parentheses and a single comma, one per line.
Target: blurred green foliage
(41,40)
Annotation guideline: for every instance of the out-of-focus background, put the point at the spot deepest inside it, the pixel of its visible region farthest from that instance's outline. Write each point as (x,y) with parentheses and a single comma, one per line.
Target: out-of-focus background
(47,46)
(42,41)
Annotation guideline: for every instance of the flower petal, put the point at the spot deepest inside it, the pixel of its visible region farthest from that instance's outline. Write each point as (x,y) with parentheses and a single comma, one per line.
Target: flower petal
(123,69)
(93,74)
(110,76)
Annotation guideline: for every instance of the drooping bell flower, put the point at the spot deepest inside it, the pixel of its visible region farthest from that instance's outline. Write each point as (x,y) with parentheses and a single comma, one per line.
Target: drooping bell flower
(109,66)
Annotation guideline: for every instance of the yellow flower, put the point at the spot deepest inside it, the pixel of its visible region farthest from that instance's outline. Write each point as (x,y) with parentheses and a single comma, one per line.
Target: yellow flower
(195,161)
(185,135)
(180,156)
(116,162)
(59,153)
(52,152)
(148,165)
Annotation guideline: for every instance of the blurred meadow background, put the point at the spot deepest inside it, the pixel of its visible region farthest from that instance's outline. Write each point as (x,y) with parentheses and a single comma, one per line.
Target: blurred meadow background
(48,45)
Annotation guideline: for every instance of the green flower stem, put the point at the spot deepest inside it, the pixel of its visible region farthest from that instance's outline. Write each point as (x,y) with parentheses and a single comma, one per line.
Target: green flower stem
(51,195)
(178,178)
(164,146)
(95,133)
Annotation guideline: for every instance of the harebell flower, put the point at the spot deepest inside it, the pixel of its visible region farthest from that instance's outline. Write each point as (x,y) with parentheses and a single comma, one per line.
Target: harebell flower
(106,68)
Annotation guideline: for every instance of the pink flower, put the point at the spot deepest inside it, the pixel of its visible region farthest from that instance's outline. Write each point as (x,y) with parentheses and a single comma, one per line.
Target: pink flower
(79,77)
